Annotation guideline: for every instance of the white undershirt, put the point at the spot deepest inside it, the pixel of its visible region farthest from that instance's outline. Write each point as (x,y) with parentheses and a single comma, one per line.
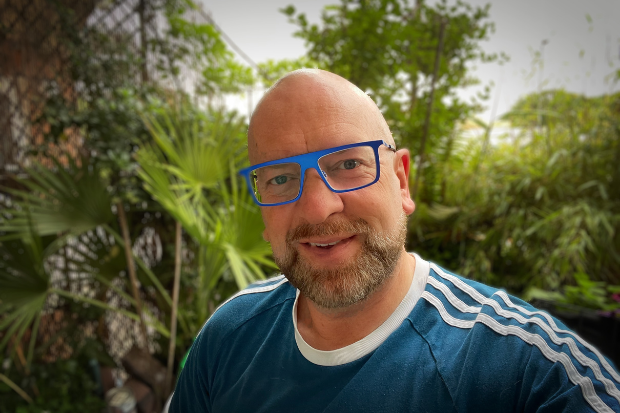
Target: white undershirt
(373,340)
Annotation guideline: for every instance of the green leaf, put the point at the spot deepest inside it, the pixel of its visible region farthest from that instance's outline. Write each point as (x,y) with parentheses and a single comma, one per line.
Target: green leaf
(59,200)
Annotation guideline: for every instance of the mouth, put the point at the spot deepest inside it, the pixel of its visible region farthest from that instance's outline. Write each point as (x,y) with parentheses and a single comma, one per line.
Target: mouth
(331,244)
(326,243)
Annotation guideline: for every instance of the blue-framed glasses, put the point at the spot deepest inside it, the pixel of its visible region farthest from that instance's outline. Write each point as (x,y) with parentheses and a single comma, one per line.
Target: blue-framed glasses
(343,169)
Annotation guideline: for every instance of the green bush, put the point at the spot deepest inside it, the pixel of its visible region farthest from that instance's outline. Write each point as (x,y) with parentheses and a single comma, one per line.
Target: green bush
(65,386)
(535,210)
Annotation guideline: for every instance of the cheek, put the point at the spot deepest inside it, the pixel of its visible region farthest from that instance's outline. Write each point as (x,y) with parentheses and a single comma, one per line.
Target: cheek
(275,226)
(380,205)
(385,194)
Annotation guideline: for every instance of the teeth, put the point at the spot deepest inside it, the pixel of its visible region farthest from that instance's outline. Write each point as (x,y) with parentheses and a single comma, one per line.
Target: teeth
(323,245)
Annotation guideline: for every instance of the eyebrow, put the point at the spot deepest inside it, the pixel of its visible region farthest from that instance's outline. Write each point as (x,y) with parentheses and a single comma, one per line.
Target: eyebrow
(280,165)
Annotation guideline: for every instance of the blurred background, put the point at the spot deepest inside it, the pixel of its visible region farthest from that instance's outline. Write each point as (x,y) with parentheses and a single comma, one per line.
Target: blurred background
(123,223)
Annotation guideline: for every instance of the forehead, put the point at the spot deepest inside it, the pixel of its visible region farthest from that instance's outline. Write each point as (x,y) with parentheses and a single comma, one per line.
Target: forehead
(304,119)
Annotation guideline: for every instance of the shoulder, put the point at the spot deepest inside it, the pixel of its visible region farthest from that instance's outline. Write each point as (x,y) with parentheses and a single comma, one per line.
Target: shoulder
(249,303)
(245,316)
(251,308)
(463,303)
(487,332)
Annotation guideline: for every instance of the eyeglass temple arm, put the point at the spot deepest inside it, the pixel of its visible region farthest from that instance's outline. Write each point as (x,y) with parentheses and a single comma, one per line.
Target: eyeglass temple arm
(390,147)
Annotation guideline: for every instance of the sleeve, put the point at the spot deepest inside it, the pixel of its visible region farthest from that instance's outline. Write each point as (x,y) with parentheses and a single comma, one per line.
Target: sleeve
(564,372)
(191,394)
(567,385)
(515,358)
(499,353)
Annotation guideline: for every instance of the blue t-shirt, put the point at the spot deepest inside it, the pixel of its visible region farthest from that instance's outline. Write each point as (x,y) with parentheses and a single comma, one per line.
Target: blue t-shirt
(452,345)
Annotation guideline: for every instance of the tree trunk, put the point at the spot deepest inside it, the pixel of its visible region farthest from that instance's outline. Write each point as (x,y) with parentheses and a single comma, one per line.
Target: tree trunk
(132,272)
(175,302)
(142,14)
(427,121)
(414,93)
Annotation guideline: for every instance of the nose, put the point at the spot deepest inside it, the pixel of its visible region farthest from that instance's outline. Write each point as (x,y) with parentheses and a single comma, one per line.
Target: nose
(317,201)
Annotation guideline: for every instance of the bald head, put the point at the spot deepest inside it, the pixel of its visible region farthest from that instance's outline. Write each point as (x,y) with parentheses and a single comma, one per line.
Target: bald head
(309,111)
(309,103)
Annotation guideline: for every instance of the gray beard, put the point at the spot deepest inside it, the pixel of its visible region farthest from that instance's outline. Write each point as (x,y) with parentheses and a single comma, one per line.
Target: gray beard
(351,282)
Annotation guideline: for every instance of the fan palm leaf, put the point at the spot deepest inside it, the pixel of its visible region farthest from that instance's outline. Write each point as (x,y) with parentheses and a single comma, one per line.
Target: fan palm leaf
(240,234)
(190,170)
(62,210)
(197,148)
(23,288)
(60,200)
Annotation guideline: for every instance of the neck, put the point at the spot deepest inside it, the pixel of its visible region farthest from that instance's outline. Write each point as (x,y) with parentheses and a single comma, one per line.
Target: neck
(331,329)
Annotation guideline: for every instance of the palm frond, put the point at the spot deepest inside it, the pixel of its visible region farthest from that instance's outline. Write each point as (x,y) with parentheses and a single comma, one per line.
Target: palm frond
(191,171)
(58,200)
(197,148)
(24,286)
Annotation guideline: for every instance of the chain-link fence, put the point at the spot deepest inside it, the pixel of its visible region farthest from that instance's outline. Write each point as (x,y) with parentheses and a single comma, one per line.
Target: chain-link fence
(32,56)
(40,41)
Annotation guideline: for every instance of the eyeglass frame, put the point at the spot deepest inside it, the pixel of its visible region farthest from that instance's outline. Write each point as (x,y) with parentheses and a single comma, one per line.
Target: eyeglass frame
(310,160)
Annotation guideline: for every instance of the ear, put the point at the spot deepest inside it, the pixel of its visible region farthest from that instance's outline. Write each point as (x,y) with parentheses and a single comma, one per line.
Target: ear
(265,235)
(402,165)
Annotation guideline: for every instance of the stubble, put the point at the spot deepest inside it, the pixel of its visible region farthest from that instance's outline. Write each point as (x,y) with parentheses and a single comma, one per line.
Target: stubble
(353,281)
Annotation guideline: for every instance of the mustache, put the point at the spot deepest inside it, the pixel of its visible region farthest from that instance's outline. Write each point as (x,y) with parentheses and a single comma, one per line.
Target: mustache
(335,227)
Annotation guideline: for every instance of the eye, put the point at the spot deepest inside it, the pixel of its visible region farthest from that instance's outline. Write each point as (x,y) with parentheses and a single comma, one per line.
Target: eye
(279,180)
(349,164)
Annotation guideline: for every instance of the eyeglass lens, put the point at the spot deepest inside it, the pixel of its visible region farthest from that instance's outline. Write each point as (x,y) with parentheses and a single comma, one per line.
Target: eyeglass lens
(343,170)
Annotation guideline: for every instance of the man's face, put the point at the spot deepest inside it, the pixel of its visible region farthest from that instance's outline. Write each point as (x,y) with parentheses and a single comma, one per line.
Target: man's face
(336,248)
(353,280)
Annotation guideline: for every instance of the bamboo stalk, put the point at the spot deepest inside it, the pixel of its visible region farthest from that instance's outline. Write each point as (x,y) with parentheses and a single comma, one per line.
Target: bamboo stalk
(431,98)
(15,387)
(20,356)
(175,303)
(132,272)
(142,265)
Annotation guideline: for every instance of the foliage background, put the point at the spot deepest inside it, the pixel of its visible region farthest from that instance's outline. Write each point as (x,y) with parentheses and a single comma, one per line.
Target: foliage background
(534,212)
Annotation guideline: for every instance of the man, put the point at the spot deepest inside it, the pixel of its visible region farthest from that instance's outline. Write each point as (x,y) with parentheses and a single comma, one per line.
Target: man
(355,323)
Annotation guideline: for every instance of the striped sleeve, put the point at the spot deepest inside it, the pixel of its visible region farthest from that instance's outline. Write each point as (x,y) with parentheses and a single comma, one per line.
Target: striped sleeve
(493,325)
(193,390)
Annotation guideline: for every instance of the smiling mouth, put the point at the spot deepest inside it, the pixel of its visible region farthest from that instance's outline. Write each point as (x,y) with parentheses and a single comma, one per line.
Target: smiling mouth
(326,245)
(331,244)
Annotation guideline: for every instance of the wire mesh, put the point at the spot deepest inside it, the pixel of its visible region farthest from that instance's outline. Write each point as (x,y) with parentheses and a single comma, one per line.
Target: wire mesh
(36,57)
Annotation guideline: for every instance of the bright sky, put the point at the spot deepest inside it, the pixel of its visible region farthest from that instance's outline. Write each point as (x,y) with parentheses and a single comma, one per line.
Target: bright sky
(580,51)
